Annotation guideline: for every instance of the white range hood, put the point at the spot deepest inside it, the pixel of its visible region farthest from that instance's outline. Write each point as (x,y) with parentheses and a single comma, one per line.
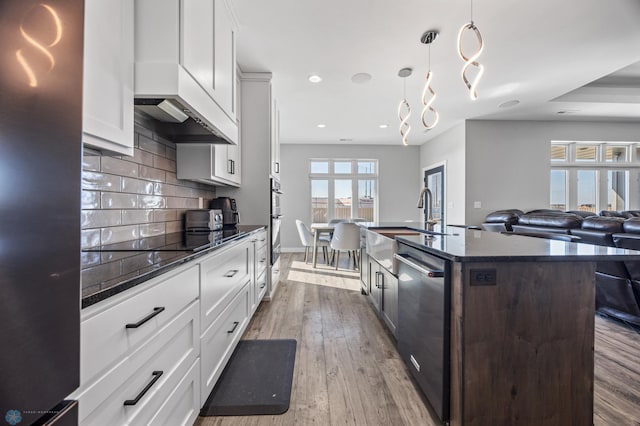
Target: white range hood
(185,68)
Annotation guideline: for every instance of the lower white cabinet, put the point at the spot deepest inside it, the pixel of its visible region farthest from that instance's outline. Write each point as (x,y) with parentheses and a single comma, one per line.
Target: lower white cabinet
(220,339)
(136,388)
(152,354)
(222,275)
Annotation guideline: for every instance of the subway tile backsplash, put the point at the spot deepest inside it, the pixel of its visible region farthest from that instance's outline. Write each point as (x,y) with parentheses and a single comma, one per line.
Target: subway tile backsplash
(124,197)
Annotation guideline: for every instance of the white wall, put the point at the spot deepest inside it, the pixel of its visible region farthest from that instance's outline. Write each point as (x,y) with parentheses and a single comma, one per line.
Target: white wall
(448,148)
(399,185)
(508,161)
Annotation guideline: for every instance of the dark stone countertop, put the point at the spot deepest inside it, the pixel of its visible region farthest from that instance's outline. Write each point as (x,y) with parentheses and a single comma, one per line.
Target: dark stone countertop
(469,245)
(122,266)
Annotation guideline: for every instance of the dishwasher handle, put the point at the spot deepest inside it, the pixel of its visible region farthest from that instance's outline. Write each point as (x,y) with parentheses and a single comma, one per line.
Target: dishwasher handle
(419,266)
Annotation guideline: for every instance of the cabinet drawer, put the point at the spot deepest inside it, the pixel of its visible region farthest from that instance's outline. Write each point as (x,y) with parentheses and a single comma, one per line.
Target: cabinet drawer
(221,277)
(260,289)
(219,340)
(182,406)
(146,378)
(261,259)
(111,333)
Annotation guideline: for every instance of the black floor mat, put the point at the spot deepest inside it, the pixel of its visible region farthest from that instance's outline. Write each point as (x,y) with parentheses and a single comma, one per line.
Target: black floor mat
(257,380)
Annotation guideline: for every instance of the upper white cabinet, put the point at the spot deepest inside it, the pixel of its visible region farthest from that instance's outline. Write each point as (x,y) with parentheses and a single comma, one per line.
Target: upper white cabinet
(185,50)
(107,119)
(275,140)
(208,163)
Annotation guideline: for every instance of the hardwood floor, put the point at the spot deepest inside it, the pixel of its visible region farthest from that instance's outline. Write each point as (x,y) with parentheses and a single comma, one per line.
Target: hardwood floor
(348,372)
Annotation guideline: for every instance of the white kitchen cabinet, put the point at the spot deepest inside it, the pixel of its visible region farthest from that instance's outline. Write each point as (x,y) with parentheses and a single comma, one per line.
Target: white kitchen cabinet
(107,116)
(143,338)
(220,339)
(117,327)
(208,163)
(186,51)
(260,261)
(275,140)
(222,275)
(210,49)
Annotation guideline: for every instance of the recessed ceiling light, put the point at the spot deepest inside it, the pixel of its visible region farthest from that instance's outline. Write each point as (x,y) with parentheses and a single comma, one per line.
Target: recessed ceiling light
(383,126)
(345,139)
(509,104)
(315,78)
(361,77)
(322,126)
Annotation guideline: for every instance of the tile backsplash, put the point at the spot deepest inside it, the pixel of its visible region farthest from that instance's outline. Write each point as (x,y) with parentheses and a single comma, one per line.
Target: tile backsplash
(124,198)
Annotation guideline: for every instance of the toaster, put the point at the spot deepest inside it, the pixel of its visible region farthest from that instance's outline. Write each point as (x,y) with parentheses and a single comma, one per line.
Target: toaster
(203,220)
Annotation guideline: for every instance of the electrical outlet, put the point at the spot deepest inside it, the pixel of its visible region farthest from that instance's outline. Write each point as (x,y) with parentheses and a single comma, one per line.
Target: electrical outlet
(477,204)
(200,203)
(482,277)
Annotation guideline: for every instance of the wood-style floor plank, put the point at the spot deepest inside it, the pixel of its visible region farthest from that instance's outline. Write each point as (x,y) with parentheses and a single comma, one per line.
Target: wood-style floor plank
(348,372)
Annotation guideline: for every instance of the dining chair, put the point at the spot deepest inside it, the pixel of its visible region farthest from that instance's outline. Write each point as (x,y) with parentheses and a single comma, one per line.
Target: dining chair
(346,236)
(306,237)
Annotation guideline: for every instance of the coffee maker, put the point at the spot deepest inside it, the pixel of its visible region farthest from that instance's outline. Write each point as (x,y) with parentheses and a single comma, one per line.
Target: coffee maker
(230,216)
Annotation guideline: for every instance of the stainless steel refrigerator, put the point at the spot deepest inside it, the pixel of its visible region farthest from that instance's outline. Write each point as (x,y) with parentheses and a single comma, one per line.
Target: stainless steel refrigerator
(40,164)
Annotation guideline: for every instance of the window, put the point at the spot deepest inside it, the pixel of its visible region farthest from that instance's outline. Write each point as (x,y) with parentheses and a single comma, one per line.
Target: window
(586,153)
(343,189)
(617,189)
(559,189)
(559,152)
(595,176)
(587,190)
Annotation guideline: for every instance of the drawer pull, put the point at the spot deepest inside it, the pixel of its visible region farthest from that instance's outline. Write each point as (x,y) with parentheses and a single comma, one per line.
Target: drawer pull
(262,260)
(156,375)
(155,312)
(263,285)
(231,273)
(235,325)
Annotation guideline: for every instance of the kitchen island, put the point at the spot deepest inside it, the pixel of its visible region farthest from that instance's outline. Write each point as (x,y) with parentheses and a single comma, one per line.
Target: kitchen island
(499,329)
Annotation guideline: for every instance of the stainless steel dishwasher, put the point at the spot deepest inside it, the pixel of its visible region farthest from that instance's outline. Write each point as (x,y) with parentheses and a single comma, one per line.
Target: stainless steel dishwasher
(423,331)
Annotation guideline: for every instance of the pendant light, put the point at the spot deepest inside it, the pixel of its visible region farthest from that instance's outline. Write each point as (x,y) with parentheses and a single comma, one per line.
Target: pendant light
(471,60)
(428,38)
(404,110)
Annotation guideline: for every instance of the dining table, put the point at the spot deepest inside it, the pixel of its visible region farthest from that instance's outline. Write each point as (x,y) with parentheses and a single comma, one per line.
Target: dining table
(317,229)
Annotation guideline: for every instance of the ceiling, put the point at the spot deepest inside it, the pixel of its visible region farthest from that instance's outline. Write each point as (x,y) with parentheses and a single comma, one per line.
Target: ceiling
(570,60)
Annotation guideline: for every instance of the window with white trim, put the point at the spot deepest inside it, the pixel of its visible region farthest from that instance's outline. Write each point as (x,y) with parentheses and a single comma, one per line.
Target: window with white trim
(595,176)
(343,189)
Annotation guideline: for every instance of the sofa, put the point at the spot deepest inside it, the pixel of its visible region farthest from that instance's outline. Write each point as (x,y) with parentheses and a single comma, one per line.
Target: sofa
(617,282)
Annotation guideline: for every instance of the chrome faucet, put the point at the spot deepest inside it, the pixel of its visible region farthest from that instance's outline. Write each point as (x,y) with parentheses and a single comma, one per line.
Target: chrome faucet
(429,222)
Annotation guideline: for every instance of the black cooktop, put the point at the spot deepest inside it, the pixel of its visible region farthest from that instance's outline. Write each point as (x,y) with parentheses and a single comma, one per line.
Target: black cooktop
(178,241)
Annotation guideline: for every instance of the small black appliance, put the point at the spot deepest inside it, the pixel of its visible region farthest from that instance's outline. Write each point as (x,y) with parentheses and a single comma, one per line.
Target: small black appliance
(230,216)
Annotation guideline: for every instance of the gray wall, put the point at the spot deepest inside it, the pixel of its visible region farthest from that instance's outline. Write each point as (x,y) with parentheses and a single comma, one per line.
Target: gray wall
(398,181)
(506,163)
(449,148)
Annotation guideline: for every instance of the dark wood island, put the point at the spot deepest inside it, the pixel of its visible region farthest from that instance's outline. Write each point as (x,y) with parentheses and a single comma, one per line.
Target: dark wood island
(520,326)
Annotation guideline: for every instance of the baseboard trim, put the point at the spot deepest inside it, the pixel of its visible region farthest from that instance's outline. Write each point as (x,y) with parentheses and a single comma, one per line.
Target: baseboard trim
(292,250)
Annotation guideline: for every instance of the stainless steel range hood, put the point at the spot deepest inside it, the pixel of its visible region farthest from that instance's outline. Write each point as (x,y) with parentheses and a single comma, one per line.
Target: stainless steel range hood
(177,122)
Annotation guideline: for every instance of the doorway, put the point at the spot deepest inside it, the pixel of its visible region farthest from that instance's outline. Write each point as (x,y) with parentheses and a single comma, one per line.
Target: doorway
(434,180)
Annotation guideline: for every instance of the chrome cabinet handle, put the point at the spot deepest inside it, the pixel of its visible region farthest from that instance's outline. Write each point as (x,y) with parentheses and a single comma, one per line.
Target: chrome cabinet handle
(418,267)
(235,325)
(156,375)
(156,311)
(231,273)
